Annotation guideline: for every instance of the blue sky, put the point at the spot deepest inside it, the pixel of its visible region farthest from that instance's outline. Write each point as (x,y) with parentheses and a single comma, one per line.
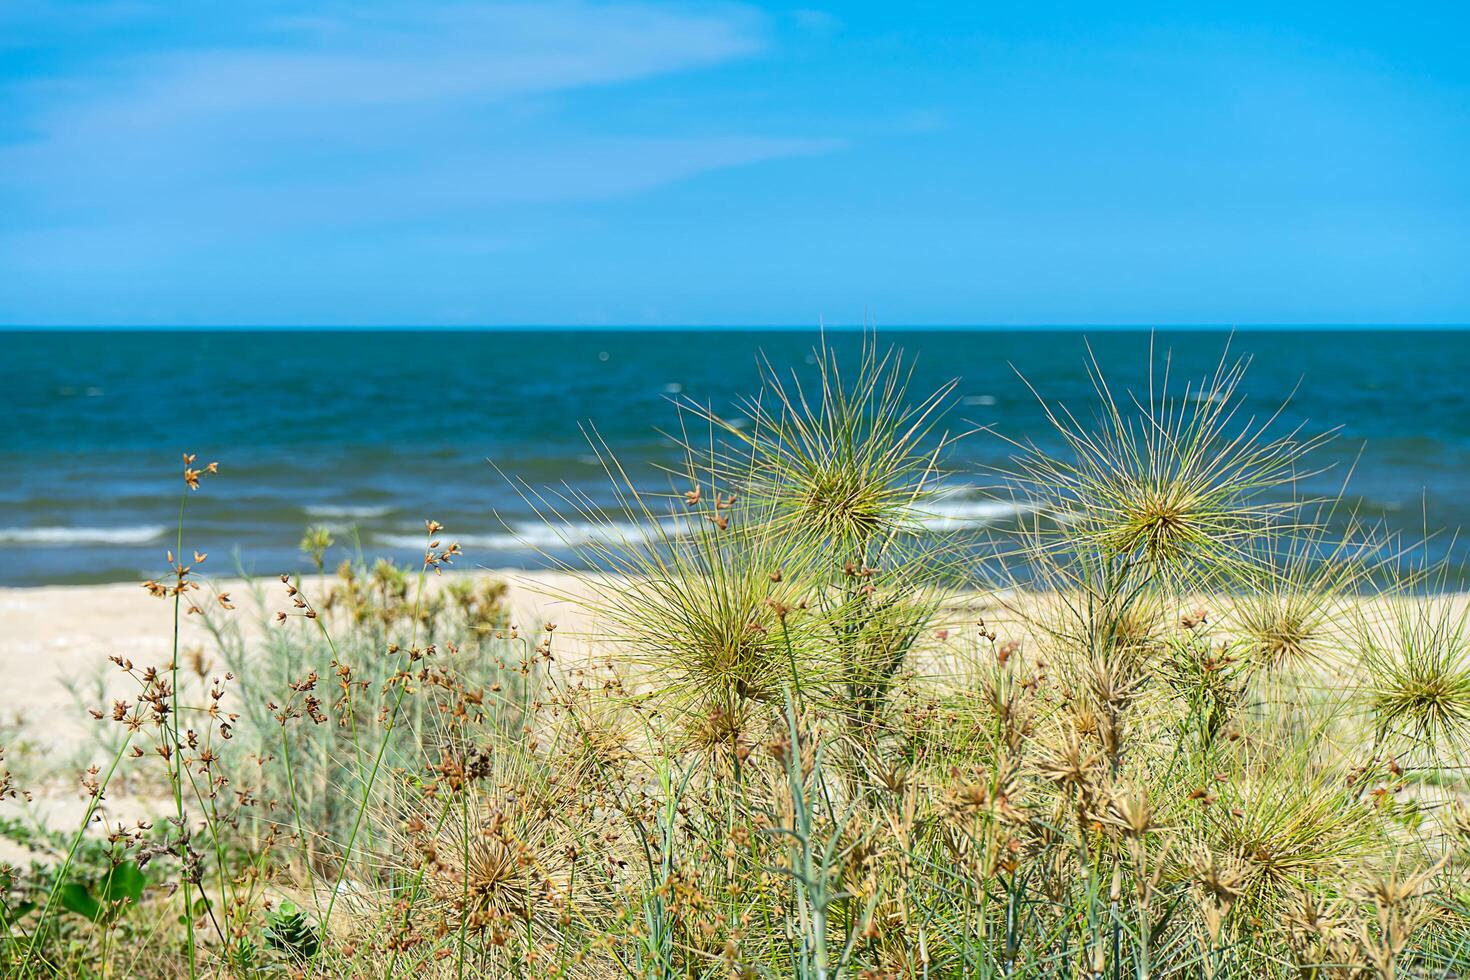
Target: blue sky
(393,162)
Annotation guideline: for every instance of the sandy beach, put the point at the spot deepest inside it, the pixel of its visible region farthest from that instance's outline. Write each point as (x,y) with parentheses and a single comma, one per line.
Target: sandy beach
(54,661)
(58,638)
(54,650)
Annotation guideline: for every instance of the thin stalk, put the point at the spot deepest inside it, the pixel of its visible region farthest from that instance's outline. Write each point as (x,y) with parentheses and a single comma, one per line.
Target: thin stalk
(76,842)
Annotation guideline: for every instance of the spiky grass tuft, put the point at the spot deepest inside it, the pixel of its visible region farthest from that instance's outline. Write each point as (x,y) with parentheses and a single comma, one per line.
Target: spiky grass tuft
(851,459)
(1289,604)
(1179,481)
(1291,823)
(1417,664)
(498,858)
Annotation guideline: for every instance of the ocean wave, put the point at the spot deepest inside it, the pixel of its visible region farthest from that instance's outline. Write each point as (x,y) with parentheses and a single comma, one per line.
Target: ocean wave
(142,534)
(950,514)
(945,514)
(347,513)
(538,537)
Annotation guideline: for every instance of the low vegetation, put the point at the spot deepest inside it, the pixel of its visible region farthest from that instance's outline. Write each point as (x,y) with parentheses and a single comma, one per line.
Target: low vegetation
(1179,721)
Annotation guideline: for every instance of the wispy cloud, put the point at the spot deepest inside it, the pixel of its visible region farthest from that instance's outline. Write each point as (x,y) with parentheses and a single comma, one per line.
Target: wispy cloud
(351,114)
(409,53)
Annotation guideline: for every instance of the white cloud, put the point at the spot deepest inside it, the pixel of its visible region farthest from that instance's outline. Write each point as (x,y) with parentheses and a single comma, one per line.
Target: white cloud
(473,51)
(363,113)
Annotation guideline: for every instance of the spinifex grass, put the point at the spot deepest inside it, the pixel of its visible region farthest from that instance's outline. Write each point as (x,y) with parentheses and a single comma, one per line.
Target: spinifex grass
(1416,661)
(1291,604)
(848,459)
(1182,481)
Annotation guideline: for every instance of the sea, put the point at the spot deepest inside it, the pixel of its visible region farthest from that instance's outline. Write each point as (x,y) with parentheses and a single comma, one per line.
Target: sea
(370,433)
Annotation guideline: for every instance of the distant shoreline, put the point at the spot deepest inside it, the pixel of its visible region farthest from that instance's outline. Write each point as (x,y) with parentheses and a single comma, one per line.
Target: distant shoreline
(810,328)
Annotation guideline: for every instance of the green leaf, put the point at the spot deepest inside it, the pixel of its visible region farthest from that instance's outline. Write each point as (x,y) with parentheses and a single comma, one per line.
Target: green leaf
(11,914)
(76,897)
(125,882)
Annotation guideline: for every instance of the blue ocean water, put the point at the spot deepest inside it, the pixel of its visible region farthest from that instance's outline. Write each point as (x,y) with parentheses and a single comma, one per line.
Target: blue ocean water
(371,432)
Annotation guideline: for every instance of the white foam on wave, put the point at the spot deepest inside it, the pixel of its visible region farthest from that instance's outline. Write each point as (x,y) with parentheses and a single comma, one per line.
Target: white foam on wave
(1207,396)
(537,537)
(951,514)
(347,513)
(142,534)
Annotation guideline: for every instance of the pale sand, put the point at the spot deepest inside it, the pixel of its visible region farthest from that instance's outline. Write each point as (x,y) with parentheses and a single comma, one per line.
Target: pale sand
(55,636)
(59,635)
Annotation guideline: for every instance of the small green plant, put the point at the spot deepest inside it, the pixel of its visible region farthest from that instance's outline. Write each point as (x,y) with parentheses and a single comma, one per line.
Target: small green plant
(289,930)
(315,543)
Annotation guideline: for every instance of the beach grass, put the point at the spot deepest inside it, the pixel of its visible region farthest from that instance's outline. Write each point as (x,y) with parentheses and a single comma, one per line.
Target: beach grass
(1180,720)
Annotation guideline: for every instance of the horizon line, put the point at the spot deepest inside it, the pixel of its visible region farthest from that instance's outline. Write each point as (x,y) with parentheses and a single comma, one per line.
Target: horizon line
(723,327)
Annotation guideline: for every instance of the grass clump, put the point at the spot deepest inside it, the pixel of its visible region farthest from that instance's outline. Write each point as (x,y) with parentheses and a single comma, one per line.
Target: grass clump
(1182,481)
(848,458)
(1416,657)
